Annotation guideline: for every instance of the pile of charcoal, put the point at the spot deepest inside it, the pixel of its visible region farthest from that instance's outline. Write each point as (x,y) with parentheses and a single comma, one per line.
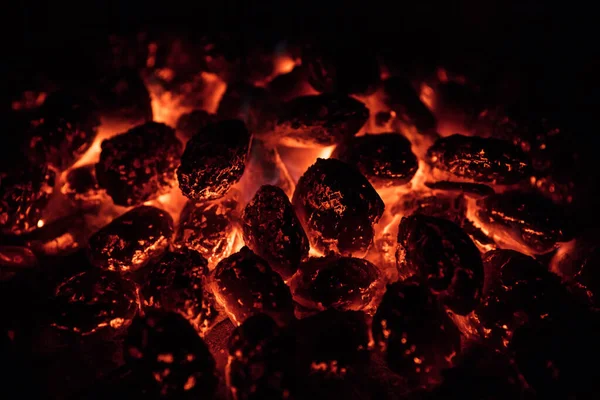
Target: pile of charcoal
(188,261)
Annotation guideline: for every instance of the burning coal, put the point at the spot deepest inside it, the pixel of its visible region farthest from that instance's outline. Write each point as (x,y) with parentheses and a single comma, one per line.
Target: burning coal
(290,225)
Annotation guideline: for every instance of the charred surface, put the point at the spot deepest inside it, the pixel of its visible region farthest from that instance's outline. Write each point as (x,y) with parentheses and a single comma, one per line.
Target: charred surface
(337,207)
(440,252)
(342,283)
(415,334)
(177,283)
(139,164)
(246,285)
(94,300)
(131,241)
(480,159)
(517,290)
(320,120)
(385,159)
(272,230)
(207,228)
(24,194)
(529,220)
(213,160)
(63,130)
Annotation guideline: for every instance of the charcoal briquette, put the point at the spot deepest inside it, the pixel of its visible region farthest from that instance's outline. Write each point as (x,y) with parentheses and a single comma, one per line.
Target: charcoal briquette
(246,285)
(132,240)
(529,220)
(343,283)
(140,164)
(64,128)
(24,194)
(479,159)
(272,230)
(442,254)
(517,289)
(213,160)
(385,159)
(207,228)
(165,351)
(93,300)
(262,360)
(415,334)
(177,283)
(337,207)
(320,120)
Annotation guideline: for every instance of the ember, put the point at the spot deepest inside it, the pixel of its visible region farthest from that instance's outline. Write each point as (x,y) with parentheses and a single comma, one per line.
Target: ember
(227,217)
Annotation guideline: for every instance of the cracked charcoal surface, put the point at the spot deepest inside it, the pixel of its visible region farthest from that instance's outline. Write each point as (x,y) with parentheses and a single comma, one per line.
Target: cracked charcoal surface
(333,341)
(246,285)
(81,187)
(94,300)
(531,220)
(350,70)
(415,334)
(123,96)
(404,100)
(440,252)
(132,240)
(385,159)
(176,283)
(342,283)
(262,360)
(62,131)
(320,120)
(479,159)
(139,165)
(337,207)
(517,289)
(213,160)
(24,194)
(251,104)
(272,230)
(193,122)
(208,229)
(167,354)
